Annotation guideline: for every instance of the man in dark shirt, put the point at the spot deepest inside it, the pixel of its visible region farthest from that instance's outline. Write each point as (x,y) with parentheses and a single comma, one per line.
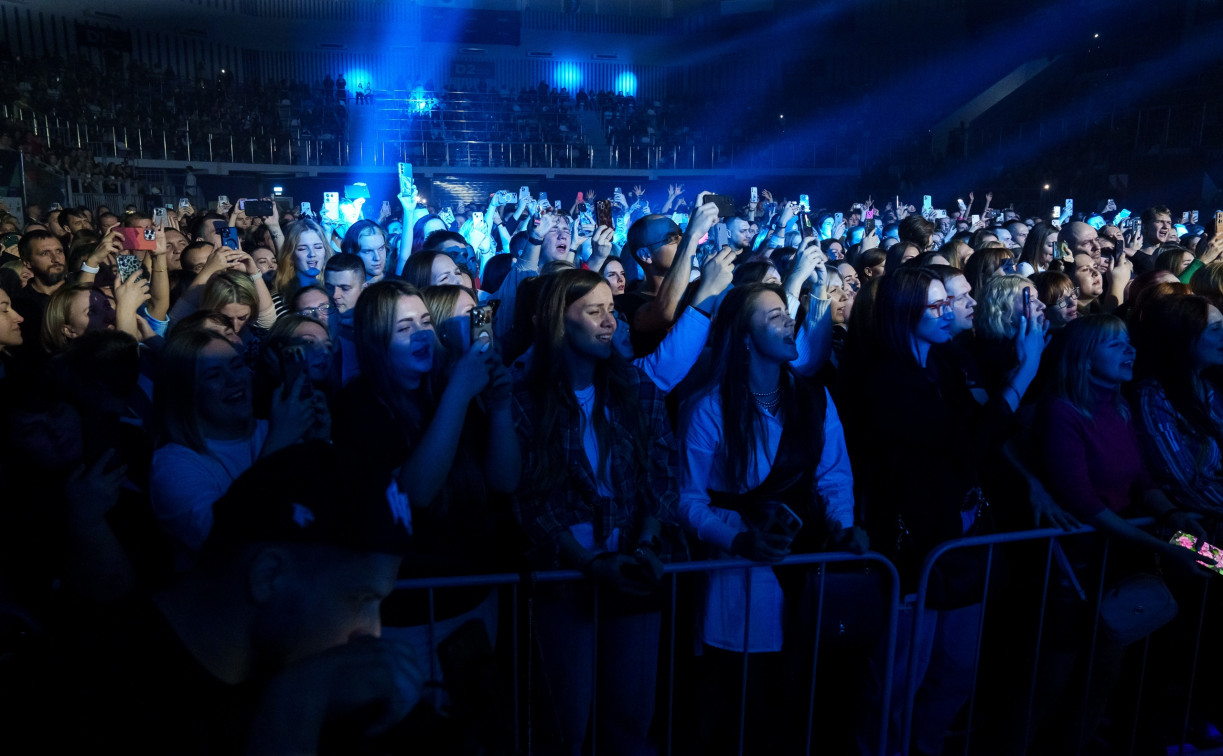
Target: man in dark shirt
(43,255)
(269,645)
(666,256)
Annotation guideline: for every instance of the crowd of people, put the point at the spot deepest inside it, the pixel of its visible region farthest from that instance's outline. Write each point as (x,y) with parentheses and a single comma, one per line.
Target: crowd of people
(227,434)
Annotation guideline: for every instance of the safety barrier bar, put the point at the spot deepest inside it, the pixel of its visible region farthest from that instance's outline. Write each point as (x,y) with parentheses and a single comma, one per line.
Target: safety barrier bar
(1052,536)
(672,573)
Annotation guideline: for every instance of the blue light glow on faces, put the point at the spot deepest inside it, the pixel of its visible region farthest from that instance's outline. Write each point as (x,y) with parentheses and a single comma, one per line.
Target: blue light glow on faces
(568,76)
(627,83)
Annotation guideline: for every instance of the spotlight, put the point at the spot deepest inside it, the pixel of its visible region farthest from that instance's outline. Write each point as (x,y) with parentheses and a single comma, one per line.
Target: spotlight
(278,190)
(1046,187)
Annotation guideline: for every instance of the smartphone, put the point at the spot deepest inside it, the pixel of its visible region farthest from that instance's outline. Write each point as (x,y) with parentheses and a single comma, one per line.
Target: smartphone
(804,203)
(1218,222)
(681,220)
(129,265)
(405,179)
(511,198)
(292,366)
(257,209)
(229,238)
(183,202)
(616,191)
(523,191)
(1208,552)
(482,324)
(543,197)
(581,197)
(1027,303)
(603,213)
(159,216)
(725,203)
(926,204)
(804,225)
(331,206)
(837,219)
(782,521)
(447,215)
(1138,224)
(1193,217)
(755,196)
(1057,212)
(222,200)
(1069,208)
(306,209)
(1121,217)
(1184,217)
(976,219)
(139,238)
(477,219)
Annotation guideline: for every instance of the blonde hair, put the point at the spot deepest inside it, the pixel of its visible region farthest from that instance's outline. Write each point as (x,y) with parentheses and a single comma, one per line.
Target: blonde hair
(286,262)
(56,316)
(230,287)
(997,306)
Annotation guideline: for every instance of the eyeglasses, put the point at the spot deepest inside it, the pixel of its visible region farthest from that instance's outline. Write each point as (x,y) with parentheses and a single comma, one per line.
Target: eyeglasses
(1069,299)
(938,308)
(315,312)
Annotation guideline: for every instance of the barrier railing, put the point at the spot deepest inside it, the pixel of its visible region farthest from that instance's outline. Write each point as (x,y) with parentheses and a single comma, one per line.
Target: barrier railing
(672,591)
(1054,556)
(897,653)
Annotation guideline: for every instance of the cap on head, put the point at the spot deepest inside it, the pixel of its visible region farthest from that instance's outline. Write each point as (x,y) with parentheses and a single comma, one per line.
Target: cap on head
(649,230)
(311,493)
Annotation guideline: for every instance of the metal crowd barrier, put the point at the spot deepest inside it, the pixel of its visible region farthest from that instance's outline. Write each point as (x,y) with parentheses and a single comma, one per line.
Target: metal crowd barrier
(524,744)
(1051,536)
(667,731)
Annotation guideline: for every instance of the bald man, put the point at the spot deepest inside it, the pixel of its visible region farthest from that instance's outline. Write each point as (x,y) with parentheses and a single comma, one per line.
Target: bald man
(1082,239)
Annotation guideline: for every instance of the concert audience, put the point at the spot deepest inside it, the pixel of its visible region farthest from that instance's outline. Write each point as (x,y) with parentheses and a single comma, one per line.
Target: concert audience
(833,387)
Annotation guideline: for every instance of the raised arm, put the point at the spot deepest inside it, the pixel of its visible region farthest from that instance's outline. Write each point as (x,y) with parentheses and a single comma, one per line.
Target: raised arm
(660,312)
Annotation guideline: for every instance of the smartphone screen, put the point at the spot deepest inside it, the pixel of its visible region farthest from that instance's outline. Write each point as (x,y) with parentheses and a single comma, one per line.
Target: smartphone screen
(1213,555)
(755,196)
(804,203)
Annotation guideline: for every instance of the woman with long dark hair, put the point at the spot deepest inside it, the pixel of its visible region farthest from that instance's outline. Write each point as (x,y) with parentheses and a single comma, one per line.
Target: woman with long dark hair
(599,484)
(916,494)
(449,442)
(761,446)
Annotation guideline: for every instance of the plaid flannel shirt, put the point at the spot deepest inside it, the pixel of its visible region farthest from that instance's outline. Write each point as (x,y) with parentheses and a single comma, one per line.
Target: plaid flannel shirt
(545,515)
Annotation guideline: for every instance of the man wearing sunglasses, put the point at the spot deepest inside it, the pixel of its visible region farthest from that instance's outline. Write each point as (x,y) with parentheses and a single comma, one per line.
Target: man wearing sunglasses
(665,255)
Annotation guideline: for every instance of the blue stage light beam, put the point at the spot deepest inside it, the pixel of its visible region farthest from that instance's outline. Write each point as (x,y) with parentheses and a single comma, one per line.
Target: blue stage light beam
(627,83)
(568,76)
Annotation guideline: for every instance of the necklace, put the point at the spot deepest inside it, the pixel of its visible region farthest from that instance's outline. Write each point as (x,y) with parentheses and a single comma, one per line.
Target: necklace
(768,401)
